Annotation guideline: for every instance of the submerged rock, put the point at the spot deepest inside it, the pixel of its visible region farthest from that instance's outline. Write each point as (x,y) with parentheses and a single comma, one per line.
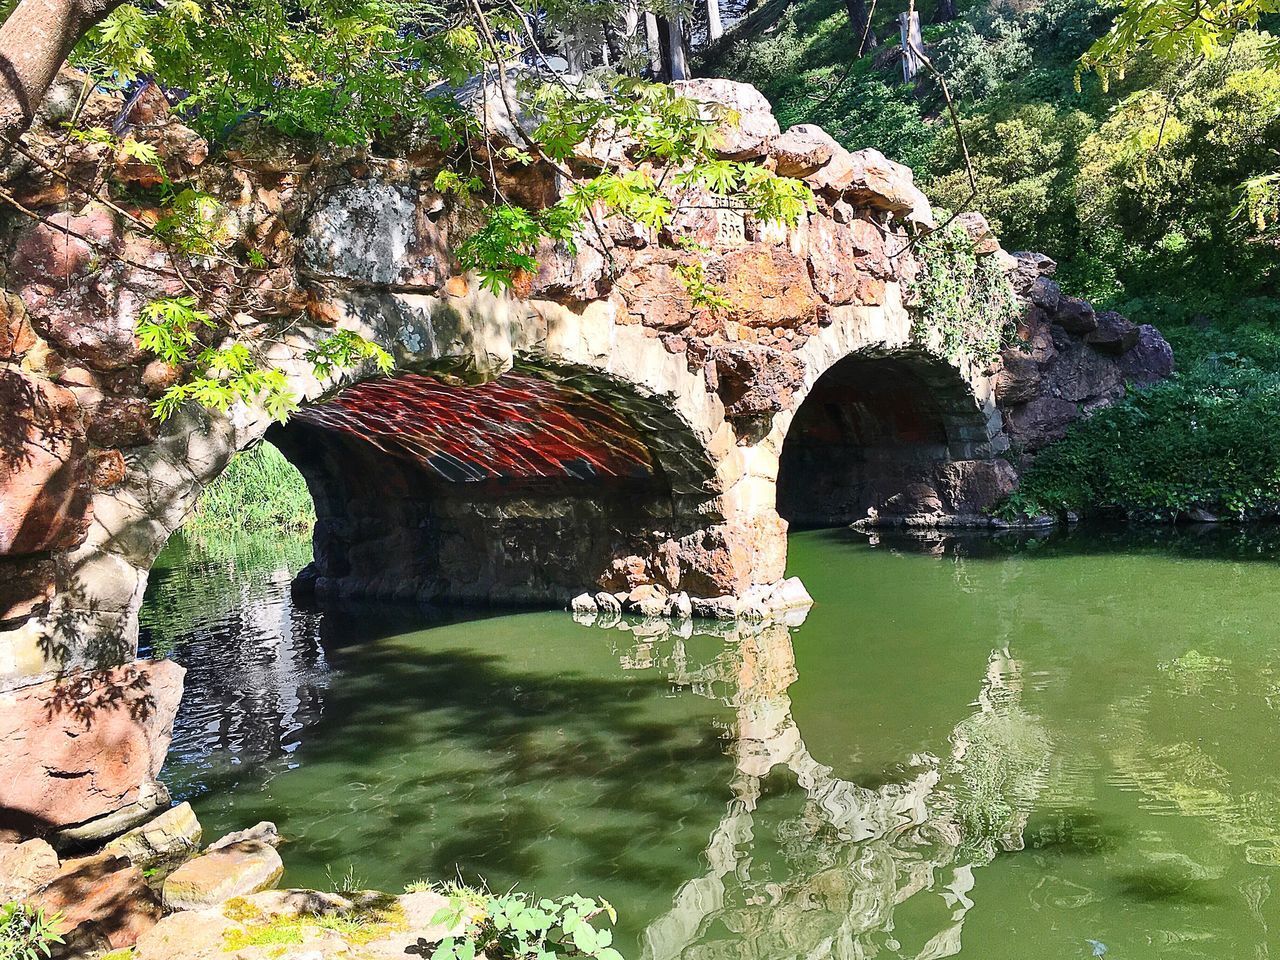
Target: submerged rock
(237,869)
(264,831)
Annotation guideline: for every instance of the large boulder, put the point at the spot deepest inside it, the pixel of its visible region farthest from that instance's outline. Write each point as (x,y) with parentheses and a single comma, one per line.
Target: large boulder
(234,870)
(755,126)
(84,745)
(100,898)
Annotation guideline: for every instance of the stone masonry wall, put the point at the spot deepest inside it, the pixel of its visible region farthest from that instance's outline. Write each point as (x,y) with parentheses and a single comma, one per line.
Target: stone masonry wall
(93,486)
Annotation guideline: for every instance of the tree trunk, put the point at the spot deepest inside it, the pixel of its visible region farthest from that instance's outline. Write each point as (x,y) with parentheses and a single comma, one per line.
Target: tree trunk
(673,47)
(34,44)
(715,29)
(654,38)
(912,44)
(860,20)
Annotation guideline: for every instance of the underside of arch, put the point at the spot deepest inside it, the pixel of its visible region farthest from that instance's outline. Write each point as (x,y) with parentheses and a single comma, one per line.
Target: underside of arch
(525,489)
(891,439)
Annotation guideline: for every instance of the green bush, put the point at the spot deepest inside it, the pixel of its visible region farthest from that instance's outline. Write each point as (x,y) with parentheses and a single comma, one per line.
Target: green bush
(1205,439)
(26,933)
(966,301)
(259,490)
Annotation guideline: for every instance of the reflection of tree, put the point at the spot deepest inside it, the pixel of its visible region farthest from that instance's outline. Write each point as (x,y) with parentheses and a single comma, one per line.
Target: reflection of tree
(1174,764)
(825,880)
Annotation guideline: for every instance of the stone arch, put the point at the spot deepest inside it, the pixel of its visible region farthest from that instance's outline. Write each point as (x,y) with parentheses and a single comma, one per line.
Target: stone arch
(526,488)
(677,522)
(885,428)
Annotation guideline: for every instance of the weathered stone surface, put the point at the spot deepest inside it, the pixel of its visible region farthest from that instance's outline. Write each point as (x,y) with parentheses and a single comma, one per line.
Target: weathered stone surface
(85,744)
(170,837)
(756,127)
(1018,379)
(43,467)
(1075,315)
(100,897)
(754,381)
(189,935)
(648,600)
(16,334)
(394,927)
(263,831)
(153,798)
(973,487)
(848,261)
(240,868)
(1113,334)
(803,150)
(420,930)
(26,586)
(767,287)
(1151,358)
(25,868)
(1041,421)
(380,234)
(653,292)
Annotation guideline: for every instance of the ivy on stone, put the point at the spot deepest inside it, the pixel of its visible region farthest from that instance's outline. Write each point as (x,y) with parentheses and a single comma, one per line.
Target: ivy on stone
(966,305)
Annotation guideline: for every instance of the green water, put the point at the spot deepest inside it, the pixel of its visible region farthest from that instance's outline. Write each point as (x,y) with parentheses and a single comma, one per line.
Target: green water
(991,749)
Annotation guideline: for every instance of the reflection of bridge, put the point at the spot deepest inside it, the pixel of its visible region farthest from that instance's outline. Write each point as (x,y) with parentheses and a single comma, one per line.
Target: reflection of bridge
(853,854)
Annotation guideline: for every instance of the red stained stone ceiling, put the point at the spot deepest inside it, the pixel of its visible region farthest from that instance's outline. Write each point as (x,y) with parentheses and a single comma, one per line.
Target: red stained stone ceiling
(515,427)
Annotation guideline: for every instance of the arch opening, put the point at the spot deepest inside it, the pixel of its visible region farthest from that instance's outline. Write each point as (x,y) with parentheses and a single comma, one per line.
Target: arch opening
(897,439)
(525,489)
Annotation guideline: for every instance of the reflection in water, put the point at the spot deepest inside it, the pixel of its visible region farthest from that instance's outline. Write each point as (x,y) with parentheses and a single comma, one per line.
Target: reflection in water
(1007,742)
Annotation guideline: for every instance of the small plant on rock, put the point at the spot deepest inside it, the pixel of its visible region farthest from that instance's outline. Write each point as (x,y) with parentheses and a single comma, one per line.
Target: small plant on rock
(516,927)
(26,933)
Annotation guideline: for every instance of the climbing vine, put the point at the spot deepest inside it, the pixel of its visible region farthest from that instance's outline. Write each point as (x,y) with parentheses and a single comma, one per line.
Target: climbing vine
(965,300)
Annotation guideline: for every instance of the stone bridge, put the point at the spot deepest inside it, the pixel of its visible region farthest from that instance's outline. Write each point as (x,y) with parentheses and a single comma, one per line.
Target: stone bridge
(594,431)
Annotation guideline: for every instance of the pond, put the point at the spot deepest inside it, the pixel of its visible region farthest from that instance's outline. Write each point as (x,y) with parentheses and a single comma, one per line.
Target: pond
(1060,746)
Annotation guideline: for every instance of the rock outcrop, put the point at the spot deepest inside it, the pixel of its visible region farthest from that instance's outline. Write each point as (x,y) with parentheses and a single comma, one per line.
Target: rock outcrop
(84,746)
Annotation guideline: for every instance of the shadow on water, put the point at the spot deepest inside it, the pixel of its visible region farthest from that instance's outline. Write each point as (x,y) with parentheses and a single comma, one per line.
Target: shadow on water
(1031,755)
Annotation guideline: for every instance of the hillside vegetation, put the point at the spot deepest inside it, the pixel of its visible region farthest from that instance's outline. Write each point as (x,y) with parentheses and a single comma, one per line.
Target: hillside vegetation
(1138,191)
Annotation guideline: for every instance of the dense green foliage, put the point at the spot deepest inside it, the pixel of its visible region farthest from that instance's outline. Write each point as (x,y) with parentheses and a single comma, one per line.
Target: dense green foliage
(259,490)
(26,933)
(1203,441)
(1146,169)
(967,302)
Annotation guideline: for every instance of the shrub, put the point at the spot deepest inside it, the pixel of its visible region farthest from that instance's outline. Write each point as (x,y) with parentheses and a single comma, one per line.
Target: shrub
(515,927)
(1205,439)
(966,304)
(26,933)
